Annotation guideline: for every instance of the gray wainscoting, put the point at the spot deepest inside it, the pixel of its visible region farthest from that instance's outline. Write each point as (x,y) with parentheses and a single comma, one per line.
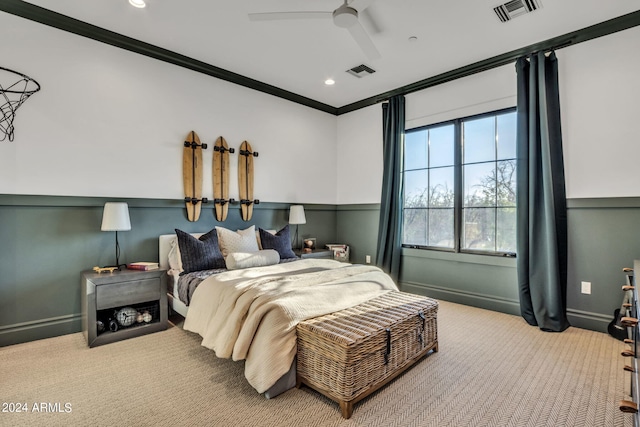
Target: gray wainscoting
(603,238)
(48,241)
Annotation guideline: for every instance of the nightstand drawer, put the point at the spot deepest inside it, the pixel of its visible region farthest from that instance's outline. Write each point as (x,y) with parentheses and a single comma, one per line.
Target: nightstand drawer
(127,293)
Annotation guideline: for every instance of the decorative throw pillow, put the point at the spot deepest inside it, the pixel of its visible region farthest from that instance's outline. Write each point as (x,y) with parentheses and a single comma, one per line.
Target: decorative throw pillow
(199,254)
(281,242)
(258,237)
(238,260)
(240,241)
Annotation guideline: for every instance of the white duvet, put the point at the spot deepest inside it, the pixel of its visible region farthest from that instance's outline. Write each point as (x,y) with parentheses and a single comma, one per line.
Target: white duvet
(251,314)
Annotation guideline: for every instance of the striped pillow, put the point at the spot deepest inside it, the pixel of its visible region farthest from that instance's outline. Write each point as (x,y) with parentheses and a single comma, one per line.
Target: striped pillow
(199,254)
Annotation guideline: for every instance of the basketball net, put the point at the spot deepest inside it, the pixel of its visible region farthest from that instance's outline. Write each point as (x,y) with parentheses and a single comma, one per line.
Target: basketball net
(15,88)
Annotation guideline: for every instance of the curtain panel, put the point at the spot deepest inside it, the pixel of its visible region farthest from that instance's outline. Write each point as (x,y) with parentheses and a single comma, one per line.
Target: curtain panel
(390,223)
(541,198)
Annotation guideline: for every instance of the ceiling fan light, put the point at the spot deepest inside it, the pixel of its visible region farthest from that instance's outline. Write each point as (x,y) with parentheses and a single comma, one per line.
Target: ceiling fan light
(345,17)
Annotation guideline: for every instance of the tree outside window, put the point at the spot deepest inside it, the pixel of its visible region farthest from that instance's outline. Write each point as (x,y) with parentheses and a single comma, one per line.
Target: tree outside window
(462,172)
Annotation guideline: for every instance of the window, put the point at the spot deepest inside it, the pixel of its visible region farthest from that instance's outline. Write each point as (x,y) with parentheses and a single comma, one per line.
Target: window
(459,183)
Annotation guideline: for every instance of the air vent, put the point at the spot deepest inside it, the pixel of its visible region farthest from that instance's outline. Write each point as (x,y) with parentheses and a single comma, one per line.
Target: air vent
(361,71)
(513,9)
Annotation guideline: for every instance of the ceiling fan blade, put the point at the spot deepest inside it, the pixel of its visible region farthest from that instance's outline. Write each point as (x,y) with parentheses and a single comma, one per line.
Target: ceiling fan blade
(364,41)
(361,5)
(276,16)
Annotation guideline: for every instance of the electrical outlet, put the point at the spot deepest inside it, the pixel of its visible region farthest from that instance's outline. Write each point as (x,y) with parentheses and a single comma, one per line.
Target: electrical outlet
(367,259)
(586,287)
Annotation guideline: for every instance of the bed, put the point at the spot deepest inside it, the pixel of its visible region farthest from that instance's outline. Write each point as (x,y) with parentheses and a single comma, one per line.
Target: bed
(247,307)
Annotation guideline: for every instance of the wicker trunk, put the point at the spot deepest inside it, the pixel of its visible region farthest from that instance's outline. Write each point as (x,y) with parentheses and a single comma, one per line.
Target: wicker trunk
(349,354)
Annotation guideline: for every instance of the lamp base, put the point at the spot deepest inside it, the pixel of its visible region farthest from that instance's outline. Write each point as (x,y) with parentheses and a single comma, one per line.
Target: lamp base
(295,240)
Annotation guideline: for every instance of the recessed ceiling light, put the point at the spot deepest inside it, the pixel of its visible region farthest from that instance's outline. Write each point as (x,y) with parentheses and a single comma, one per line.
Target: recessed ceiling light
(413,39)
(329,82)
(137,3)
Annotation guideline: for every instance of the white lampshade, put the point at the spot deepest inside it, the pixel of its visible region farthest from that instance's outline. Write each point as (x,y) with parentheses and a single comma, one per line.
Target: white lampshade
(115,217)
(296,215)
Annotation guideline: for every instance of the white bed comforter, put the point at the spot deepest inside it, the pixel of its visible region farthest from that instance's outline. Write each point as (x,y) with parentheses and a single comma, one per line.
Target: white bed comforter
(252,314)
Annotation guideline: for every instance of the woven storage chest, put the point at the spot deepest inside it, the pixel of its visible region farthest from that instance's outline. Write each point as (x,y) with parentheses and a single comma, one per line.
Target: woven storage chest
(349,354)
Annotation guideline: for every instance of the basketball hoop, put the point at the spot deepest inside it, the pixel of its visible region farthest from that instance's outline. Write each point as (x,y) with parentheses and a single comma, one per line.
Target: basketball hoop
(15,88)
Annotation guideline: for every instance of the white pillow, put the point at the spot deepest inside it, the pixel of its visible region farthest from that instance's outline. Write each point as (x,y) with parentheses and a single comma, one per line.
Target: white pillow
(240,241)
(238,260)
(175,262)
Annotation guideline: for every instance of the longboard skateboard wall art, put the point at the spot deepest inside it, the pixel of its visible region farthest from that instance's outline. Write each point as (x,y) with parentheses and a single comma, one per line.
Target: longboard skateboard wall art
(192,175)
(245,180)
(221,198)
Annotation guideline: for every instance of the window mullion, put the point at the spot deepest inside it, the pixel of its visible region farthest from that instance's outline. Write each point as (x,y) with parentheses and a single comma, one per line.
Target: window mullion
(457,183)
(495,205)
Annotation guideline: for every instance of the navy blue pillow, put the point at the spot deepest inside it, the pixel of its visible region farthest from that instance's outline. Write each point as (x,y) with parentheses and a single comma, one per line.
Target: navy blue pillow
(280,242)
(199,254)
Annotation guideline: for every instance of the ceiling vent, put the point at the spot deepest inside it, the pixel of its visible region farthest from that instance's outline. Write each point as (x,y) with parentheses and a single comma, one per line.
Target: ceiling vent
(513,9)
(361,71)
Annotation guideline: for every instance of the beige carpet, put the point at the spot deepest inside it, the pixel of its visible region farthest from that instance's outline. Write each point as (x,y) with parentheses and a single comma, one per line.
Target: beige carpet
(492,370)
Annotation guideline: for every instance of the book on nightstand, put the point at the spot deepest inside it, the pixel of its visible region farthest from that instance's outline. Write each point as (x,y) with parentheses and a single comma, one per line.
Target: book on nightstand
(144,266)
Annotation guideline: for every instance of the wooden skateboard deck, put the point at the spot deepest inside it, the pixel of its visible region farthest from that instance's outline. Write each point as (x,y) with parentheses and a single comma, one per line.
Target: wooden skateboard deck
(221,178)
(245,180)
(192,175)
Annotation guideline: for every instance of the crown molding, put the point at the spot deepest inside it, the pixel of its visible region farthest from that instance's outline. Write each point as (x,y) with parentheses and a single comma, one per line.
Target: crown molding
(65,23)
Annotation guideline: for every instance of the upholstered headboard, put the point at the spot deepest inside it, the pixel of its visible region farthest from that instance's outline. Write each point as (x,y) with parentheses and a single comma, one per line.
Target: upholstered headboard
(166,242)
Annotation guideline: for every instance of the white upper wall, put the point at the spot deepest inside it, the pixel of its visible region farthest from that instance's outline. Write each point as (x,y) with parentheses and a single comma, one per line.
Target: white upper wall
(108,122)
(599,93)
(360,156)
(600,107)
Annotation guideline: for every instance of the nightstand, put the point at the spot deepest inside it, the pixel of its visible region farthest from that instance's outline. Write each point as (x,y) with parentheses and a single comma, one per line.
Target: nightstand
(316,253)
(123,304)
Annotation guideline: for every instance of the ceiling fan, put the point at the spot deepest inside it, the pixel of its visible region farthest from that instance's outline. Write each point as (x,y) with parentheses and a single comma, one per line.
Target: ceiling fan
(345,16)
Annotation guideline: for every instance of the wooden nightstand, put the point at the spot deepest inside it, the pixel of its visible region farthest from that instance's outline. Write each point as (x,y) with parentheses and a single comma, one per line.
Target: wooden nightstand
(316,253)
(142,293)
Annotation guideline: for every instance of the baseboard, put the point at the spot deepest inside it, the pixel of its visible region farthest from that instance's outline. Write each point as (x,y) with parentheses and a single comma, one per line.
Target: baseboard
(489,302)
(63,325)
(577,318)
(588,320)
(40,329)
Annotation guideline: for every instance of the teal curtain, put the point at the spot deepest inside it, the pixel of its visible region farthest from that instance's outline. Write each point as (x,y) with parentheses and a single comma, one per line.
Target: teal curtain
(390,224)
(542,204)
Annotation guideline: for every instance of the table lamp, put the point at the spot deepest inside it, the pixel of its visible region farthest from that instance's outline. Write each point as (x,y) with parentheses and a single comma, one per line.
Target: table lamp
(296,216)
(115,217)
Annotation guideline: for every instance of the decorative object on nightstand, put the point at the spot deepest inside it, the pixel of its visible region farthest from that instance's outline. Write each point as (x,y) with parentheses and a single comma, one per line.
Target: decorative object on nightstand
(340,251)
(143,265)
(296,217)
(309,244)
(115,217)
